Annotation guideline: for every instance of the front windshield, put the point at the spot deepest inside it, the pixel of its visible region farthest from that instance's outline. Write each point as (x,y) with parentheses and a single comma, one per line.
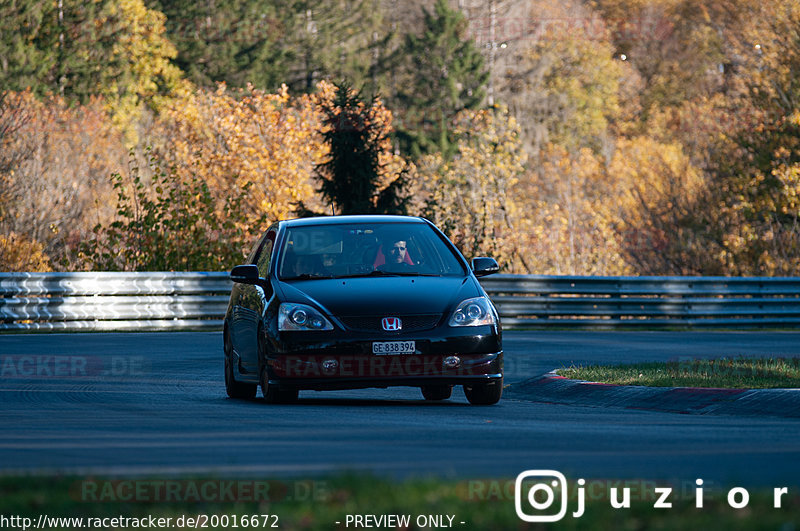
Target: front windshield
(365,249)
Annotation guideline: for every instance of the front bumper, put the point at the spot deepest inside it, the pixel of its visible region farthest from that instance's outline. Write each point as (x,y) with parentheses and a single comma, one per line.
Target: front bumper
(352,372)
(464,357)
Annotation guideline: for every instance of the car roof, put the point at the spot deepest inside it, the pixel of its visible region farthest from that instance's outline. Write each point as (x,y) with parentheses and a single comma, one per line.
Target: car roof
(336,220)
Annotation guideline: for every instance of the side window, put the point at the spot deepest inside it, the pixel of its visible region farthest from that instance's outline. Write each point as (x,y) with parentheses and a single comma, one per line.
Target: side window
(265,254)
(254,251)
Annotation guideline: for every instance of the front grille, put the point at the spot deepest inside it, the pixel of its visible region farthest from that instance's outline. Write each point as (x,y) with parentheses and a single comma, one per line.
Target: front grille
(411,323)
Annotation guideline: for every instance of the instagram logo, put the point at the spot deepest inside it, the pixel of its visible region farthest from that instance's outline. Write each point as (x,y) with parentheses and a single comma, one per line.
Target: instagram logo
(535,494)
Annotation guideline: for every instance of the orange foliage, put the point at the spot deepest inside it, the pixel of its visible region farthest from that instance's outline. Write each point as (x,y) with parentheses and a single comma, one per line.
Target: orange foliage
(654,191)
(568,229)
(18,253)
(230,138)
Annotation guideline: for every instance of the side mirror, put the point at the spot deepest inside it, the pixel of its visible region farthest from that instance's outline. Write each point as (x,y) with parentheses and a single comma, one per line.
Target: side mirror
(245,274)
(483,266)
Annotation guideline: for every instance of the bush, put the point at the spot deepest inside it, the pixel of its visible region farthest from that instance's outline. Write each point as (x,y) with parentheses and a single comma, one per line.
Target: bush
(170,225)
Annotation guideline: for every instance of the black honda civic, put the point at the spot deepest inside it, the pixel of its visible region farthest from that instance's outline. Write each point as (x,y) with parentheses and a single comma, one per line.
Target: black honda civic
(346,302)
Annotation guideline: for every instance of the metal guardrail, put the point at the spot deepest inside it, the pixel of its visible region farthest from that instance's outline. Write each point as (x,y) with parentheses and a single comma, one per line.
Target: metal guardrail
(174,301)
(113,301)
(570,301)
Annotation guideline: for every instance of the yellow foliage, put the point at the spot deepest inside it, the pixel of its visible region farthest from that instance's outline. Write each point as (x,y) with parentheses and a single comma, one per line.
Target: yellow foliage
(144,53)
(470,197)
(567,229)
(769,244)
(564,87)
(653,197)
(646,176)
(587,216)
(230,139)
(18,253)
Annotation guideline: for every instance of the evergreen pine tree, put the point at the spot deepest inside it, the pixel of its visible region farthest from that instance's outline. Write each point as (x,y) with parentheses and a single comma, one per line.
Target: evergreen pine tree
(271,42)
(236,41)
(65,48)
(337,40)
(350,178)
(86,63)
(446,75)
(27,46)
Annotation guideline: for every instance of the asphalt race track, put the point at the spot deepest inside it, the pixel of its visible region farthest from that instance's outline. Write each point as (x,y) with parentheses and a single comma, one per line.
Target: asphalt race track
(154,404)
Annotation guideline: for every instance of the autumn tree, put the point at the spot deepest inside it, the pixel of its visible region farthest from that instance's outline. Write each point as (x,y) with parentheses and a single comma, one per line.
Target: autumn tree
(54,179)
(567,228)
(681,50)
(762,175)
(565,88)
(18,253)
(658,202)
(229,138)
(471,195)
(15,113)
(140,54)
(80,50)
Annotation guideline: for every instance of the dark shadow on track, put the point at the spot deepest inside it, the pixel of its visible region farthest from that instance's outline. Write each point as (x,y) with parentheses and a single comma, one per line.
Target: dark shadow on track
(361,402)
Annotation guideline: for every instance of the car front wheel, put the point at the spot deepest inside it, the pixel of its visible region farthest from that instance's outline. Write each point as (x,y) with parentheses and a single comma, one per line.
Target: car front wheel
(484,394)
(274,394)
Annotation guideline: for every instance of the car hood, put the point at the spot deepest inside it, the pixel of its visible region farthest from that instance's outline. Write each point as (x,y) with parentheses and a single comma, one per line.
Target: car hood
(382,295)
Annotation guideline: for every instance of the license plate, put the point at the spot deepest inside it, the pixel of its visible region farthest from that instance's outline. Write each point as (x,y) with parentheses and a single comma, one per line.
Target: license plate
(393,347)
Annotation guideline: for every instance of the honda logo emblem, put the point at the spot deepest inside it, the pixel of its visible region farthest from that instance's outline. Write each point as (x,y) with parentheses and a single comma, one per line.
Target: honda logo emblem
(391,324)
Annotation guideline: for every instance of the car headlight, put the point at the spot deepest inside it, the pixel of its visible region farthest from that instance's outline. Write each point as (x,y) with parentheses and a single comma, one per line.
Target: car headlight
(293,316)
(473,312)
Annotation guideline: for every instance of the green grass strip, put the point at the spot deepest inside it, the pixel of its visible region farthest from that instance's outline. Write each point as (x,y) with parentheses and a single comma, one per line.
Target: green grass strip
(728,373)
(319,504)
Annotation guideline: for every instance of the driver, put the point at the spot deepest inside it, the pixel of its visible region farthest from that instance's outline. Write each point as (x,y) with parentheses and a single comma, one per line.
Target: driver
(395,251)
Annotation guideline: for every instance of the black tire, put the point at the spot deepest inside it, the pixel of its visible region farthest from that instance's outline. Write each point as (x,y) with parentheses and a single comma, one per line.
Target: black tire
(437,392)
(484,394)
(232,387)
(270,392)
(273,394)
